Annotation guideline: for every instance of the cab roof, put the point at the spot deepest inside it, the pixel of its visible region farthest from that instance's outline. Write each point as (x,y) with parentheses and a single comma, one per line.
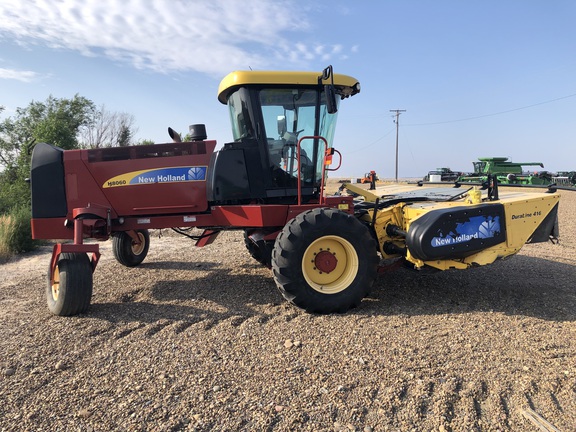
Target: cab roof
(345,85)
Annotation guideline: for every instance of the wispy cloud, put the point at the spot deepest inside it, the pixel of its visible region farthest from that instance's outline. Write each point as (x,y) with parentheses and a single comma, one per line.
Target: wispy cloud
(24,76)
(210,36)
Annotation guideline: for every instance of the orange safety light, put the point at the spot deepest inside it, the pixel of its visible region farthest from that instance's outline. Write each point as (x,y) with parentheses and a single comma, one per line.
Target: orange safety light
(328,156)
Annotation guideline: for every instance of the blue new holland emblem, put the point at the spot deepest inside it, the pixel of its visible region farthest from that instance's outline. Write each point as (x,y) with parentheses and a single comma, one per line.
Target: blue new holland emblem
(197,173)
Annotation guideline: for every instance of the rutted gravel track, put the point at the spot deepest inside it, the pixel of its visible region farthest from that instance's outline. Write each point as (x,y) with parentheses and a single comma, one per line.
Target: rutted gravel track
(200,339)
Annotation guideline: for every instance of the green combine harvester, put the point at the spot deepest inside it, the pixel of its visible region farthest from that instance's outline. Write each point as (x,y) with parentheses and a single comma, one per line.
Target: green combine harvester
(507,172)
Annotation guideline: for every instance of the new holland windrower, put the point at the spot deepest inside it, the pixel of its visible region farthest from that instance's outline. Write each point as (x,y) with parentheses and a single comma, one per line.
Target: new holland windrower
(269,183)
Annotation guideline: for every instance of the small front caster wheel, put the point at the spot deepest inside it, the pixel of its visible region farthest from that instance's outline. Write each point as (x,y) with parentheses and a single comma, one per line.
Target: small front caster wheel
(69,289)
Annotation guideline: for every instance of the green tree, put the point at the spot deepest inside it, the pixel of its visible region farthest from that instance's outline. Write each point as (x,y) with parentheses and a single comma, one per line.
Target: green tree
(145,142)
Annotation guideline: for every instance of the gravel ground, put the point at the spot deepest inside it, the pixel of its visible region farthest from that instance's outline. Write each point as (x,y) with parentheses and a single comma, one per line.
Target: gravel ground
(200,339)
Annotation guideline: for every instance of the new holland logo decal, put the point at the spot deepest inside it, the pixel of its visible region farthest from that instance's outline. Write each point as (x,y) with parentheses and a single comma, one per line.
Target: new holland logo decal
(478,227)
(158,175)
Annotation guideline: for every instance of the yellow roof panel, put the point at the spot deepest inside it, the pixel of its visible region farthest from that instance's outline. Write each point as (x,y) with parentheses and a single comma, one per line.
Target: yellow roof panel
(242,78)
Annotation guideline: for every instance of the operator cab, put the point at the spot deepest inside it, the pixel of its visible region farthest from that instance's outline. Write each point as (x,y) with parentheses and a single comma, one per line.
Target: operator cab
(270,113)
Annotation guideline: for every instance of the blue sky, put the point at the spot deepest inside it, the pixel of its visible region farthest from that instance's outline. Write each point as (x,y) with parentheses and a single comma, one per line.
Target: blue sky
(476,78)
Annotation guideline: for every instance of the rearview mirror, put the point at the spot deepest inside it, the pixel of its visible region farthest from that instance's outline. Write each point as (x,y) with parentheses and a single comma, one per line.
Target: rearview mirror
(282,125)
(331,99)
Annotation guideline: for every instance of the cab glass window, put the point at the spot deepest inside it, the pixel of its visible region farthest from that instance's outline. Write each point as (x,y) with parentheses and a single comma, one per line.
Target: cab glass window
(290,114)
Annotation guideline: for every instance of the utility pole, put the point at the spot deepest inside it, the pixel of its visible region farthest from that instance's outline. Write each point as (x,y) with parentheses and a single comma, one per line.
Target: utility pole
(397,111)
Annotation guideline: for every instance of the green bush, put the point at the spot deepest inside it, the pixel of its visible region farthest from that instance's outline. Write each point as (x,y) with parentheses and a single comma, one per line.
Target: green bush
(15,233)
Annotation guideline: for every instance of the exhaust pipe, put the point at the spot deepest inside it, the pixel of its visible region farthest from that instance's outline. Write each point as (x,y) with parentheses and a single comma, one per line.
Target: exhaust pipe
(174,135)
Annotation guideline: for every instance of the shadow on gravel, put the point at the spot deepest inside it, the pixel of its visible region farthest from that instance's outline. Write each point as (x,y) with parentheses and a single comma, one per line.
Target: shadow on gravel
(519,286)
(212,293)
(230,291)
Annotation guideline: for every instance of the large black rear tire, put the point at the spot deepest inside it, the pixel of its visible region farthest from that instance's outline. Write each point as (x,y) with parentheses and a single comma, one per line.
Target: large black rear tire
(325,261)
(126,251)
(69,290)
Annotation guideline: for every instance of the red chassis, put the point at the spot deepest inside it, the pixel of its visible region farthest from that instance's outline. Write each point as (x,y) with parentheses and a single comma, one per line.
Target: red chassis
(136,188)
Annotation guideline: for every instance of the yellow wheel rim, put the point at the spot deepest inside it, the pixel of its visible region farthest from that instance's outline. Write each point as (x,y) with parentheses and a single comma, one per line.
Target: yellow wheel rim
(56,284)
(330,264)
(137,249)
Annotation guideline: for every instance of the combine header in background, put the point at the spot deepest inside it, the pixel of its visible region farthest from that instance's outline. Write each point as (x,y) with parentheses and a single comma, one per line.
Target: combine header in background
(324,251)
(507,172)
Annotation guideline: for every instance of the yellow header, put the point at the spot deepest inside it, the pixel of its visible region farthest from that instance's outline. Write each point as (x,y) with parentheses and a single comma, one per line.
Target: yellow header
(346,84)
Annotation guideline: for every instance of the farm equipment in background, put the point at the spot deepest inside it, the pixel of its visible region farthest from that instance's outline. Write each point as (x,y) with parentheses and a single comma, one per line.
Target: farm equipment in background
(507,172)
(324,251)
(442,175)
(565,178)
(370,177)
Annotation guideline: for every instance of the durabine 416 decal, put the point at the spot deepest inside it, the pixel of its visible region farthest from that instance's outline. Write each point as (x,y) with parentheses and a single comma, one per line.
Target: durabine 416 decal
(158,175)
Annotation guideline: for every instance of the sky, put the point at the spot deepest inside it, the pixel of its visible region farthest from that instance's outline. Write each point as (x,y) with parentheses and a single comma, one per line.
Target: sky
(476,78)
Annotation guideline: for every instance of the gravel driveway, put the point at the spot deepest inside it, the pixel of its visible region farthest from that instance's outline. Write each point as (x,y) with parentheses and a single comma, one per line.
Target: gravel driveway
(200,339)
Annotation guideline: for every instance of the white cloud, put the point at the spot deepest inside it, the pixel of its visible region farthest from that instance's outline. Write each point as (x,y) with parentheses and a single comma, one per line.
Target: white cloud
(210,36)
(24,76)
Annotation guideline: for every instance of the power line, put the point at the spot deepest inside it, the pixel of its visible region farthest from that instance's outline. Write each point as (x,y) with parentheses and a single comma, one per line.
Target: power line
(492,114)
(372,143)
